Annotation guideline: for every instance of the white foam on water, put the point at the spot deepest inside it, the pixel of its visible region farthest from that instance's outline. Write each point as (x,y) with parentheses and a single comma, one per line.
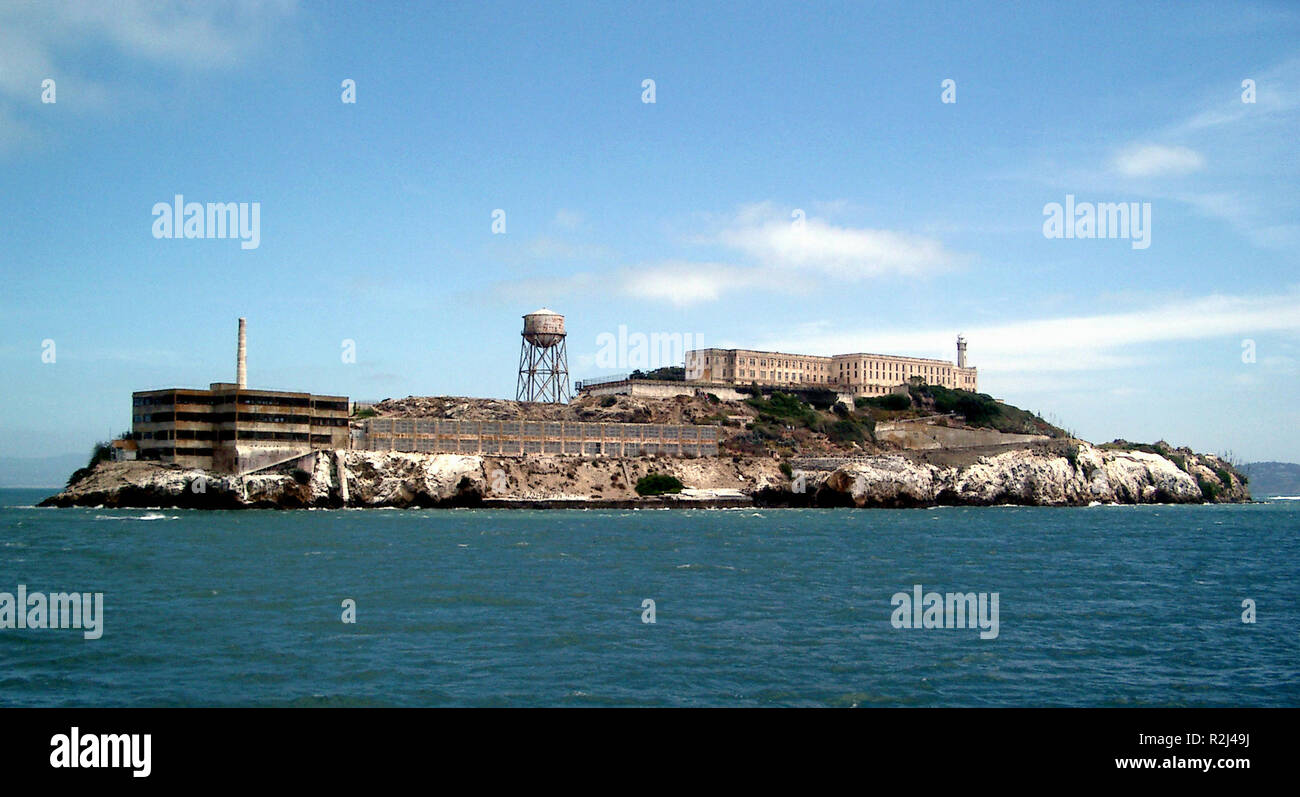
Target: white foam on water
(149,516)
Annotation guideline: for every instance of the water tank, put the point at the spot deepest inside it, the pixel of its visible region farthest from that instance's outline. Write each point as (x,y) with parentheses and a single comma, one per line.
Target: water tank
(544,328)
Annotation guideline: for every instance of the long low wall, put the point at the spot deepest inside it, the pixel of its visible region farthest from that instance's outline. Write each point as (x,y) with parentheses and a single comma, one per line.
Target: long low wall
(659,388)
(652,388)
(926,436)
(440,436)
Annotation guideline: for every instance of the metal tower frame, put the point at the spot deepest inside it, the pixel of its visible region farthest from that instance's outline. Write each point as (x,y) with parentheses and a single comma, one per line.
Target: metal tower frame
(543,372)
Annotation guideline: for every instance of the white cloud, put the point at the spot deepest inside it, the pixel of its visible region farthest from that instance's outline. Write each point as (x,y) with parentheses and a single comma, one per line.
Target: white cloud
(568,219)
(780,241)
(12,131)
(1072,343)
(775,250)
(684,283)
(37,36)
(677,282)
(549,248)
(1157,160)
(49,40)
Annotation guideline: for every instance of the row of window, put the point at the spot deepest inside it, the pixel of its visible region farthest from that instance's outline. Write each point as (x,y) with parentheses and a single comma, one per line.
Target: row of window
(231,417)
(210,399)
(159,453)
(763,362)
(508,447)
(426,426)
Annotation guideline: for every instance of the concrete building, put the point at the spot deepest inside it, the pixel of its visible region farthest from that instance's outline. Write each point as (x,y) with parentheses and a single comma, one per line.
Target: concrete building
(518,438)
(860,374)
(233,429)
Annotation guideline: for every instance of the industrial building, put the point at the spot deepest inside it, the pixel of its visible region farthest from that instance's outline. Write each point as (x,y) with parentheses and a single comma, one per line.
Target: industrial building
(230,428)
(859,374)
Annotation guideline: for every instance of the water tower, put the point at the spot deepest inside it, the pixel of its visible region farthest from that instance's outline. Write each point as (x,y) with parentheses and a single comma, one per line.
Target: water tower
(543,360)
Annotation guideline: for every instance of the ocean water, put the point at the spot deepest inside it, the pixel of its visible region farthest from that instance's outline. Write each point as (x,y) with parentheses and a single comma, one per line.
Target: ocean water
(1105,605)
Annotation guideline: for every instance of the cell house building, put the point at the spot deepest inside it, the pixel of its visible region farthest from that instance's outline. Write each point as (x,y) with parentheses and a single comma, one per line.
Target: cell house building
(859,374)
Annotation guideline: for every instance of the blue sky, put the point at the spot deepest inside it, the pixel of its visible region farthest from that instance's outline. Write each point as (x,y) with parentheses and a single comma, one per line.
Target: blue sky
(920,219)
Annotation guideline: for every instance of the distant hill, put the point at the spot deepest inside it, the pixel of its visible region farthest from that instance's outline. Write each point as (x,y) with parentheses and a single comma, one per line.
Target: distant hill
(1273,478)
(39,471)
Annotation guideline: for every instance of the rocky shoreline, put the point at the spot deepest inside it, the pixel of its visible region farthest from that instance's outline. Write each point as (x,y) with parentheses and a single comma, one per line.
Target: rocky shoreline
(1054,473)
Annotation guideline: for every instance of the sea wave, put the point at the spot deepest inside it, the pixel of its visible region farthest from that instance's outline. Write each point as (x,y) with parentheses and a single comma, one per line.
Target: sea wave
(148,516)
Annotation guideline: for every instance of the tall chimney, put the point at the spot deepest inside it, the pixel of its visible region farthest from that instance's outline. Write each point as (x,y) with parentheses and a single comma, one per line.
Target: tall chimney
(241,368)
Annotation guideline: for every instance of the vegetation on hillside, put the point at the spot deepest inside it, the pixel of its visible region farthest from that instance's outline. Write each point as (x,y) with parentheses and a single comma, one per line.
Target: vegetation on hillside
(1224,472)
(980,409)
(670,373)
(658,484)
(892,401)
(818,397)
(102,452)
(785,419)
(1273,478)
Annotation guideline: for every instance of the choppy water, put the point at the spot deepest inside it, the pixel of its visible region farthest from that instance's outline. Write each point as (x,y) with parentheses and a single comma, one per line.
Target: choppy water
(1097,606)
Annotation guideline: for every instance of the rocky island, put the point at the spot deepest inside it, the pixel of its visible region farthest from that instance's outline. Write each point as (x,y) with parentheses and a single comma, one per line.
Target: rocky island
(928,447)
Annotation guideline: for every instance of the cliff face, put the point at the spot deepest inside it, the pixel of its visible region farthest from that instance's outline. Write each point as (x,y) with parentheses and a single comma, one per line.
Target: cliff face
(1051,475)
(1048,475)
(395,479)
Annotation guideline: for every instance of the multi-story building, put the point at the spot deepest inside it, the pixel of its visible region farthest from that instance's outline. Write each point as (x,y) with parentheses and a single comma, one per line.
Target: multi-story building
(233,429)
(743,366)
(861,374)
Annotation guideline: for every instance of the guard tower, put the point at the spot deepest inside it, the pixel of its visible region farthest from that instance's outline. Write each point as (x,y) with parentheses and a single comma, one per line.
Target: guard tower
(543,359)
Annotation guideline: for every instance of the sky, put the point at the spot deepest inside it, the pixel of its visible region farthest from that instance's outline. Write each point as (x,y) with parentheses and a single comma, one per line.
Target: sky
(810,177)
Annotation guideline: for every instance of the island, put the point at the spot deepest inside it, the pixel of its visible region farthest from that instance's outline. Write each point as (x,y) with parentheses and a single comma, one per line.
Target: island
(924,446)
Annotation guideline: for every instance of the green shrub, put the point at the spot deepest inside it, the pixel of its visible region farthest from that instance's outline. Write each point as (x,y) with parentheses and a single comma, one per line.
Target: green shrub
(819,397)
(783,407)
(892,401)
(102,452)
(658,484)
(608,401)
(846,430)
(366,412)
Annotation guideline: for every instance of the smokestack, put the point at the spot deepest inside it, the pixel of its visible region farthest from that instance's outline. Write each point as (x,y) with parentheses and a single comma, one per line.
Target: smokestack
(241,368)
